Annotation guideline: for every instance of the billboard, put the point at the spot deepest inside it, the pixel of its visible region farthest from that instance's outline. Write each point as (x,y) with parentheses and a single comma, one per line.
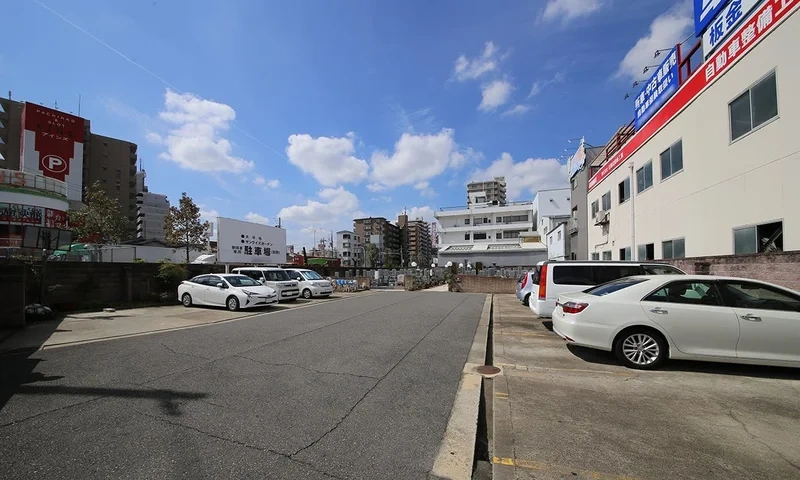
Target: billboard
(724,24)
(761,23)
(247,242)
(704,12)
(659,88)
(52,145)
(576,161)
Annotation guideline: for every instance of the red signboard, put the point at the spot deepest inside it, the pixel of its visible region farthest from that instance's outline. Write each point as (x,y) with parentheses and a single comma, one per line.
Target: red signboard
(56,134)
(55,218)
(758,26)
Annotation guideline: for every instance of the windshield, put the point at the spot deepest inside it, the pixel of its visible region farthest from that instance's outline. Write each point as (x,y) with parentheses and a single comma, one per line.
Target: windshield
(241,281)
(312,275)
(613,286)
(276,276)
(661,270)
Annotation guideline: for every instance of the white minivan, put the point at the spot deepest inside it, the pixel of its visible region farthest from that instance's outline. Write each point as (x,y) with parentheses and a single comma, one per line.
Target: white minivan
(277,278)
(552,278)
(311,283)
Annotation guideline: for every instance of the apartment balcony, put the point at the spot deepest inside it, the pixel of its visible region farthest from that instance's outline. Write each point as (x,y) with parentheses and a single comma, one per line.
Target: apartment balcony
(453,228)
(572,226)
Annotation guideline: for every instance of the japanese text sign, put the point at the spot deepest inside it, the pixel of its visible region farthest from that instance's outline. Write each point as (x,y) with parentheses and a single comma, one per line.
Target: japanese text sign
(725,22)
(704,12)
(247,242)
(659,88)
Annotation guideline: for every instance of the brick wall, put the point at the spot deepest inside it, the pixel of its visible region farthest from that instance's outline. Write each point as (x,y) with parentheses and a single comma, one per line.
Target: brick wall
(781,268)
(477,284)
(12,295)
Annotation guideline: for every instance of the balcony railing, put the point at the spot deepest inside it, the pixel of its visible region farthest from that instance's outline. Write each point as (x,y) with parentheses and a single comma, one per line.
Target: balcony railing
(22,179)
(572,226)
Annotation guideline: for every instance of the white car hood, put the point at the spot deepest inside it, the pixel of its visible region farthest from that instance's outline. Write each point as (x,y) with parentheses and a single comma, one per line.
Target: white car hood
(259,290)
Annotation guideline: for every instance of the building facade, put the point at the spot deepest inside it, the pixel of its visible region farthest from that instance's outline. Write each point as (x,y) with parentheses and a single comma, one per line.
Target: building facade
(715,171)
(419,242)
(350,247)
(490,191)
(382,233)
(578,224)
(151,209)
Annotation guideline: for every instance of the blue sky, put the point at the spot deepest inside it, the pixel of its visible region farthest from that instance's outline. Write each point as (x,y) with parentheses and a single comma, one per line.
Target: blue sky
(319,111)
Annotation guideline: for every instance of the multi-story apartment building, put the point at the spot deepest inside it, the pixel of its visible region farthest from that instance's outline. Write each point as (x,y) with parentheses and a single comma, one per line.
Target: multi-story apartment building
(490,191)
(383,234)
(715,170)
(578,224)
(151,208)
(351,248)
(94,157)
(509,235)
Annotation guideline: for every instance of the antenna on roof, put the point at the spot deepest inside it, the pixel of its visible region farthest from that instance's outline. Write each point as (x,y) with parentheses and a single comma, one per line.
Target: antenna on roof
(79,104)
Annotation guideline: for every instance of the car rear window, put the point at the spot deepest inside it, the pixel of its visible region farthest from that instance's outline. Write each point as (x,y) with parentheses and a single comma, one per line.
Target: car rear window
(661,270)
(613,286)
(591,275)
(276,276)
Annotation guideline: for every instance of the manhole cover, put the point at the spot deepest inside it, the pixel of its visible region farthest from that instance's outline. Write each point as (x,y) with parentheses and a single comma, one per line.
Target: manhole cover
(488,370)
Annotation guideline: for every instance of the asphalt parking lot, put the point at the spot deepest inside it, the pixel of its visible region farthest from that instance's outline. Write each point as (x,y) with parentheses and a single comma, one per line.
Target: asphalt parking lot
(576,413)
(356,388)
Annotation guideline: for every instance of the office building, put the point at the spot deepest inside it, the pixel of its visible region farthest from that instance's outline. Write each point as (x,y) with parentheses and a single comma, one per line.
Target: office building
(151,209)
(490,191)
(350,248)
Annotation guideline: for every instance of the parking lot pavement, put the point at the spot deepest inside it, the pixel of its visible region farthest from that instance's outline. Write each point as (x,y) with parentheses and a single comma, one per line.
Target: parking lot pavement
(92,326)
(576,413)
(360,388)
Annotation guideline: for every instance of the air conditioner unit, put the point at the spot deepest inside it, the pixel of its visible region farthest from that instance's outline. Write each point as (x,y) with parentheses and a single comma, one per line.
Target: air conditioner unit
(601,217)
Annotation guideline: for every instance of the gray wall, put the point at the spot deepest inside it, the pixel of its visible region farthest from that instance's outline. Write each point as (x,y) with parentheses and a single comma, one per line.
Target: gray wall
(578,243)
(506,259)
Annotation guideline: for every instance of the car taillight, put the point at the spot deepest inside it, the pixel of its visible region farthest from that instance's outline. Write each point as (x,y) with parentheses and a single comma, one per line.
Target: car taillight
(543,283)
(525,280)
(574,307)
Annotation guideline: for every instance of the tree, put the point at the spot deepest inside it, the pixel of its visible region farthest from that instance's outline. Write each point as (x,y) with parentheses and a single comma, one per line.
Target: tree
(183,226)
(100,221)
(371,254)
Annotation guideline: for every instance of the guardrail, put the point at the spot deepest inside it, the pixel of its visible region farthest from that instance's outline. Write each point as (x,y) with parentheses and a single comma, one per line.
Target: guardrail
(22,179)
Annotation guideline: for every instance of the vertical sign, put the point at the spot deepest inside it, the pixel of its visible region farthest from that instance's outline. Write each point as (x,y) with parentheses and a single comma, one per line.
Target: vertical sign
(704,12)
(724,24)
(660,87)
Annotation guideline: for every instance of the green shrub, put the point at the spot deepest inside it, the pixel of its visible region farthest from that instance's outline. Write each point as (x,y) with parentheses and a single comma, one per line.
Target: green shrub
(139,260)
(170,275)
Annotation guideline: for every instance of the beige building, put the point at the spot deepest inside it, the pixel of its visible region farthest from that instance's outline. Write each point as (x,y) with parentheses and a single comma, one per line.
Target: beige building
(491,191)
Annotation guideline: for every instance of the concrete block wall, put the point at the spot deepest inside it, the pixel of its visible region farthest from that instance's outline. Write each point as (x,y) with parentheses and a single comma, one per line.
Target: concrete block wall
(12,295)
(478,284)
(780,268)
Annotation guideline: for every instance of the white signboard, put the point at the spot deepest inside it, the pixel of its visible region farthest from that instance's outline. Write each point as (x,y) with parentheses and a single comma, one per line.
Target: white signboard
(728,19)
(247,242)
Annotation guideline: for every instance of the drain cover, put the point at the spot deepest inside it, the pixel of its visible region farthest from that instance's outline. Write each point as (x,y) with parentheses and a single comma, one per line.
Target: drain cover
(488,370)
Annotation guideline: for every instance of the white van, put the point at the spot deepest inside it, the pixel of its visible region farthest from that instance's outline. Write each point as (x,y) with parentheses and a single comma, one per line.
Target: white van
(277,278)
(311,283)
(552,278)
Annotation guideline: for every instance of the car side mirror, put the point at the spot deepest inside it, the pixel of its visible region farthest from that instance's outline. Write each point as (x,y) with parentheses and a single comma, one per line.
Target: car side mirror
(262,281)
(221,285)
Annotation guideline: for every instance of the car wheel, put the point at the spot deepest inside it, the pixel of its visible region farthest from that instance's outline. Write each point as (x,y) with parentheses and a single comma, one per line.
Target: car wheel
(641,348)
(232,303)
(307,294)
(186,300)
(527,300)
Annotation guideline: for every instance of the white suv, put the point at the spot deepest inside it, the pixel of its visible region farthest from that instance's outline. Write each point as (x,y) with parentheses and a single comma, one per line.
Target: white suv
(277,278)
(311,283)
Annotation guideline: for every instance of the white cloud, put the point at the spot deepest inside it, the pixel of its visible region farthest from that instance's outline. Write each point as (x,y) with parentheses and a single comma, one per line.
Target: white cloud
(494,94)
(517,110)
(424,212)
(274,183)
(538,86)
(329,160)
(194,142)
(267,184)
(208,214)
(524,179)
(334,204)
(416,159)
(666,30)
(256,218)
(566,10)
(473,68)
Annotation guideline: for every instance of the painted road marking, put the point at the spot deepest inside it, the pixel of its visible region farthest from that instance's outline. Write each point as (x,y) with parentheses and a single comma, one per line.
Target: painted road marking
(560,469)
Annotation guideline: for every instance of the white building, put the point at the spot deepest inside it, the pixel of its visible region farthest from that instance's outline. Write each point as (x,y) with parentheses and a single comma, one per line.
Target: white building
(716,170)
(558,242)
(350,248)
(509,235)
(151,208)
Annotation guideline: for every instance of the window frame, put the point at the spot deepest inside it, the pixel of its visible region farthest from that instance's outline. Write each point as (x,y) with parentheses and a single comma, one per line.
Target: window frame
(609,254)
(595,207)
(672,240)
(749,90)
(603,203)
(771,288)
(712,287)
(661,161)
(596,256)
(642,169)
(754,226)
(629,253)
(621,190)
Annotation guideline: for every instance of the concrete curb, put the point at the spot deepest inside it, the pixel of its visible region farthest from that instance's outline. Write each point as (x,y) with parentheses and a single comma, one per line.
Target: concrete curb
(457,451)
(501,447)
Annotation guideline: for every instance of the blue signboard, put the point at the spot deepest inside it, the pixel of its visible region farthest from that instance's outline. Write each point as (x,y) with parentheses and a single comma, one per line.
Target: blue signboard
(704,12)
(662,85)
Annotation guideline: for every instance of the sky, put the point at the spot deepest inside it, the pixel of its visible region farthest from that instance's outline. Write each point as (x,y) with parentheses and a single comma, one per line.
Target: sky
(319,112)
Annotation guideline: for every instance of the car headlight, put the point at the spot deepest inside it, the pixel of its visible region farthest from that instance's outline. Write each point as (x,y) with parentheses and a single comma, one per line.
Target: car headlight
(249,293)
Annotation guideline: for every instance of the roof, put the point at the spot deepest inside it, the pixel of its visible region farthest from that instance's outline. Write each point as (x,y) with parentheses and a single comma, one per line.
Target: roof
(492,247)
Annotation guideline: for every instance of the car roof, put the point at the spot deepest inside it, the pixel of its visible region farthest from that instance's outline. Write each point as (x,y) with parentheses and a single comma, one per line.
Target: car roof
(604,262)
(257,268)
(703,278)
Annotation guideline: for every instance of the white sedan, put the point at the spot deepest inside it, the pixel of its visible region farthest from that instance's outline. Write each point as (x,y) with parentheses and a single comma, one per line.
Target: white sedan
(224,290)
(646,319)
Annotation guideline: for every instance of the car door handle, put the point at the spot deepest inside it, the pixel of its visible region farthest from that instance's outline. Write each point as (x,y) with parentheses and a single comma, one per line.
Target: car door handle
(751,318)
(659,311)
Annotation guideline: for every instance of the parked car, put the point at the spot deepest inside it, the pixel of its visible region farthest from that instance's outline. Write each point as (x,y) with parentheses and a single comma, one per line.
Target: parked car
(311,283)
(277,278)
(553,278)
(646,319)
(225,290)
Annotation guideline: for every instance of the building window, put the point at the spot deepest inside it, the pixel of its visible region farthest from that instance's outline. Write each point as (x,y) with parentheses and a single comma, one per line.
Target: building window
(574,183)
(466,236)
(499,219)
(595,256)
(595,208)
(755,107)
(644,177)
(607,255)
(606,199)
(646,252)
(624,190)
(466,221)
(479,236)
(559,235)
(625,253)
(673,248)
(672,160)
(758,238)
